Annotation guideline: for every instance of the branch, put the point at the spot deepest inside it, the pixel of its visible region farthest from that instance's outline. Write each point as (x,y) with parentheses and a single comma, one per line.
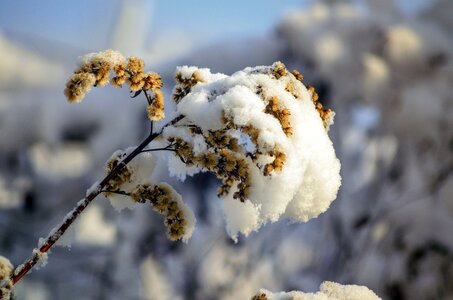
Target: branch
(116,192)
(56,233)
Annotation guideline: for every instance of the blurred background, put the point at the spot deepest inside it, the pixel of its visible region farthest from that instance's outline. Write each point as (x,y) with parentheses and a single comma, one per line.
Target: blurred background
(385,67)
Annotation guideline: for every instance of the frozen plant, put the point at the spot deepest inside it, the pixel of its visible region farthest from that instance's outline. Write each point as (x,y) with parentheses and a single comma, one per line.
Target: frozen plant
(328,291)
(6,268)
(260,131)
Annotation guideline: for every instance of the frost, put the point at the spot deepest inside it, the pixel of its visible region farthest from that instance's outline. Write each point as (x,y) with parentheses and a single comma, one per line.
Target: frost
(42,258)
(94,188)
(110,56)
(66,239)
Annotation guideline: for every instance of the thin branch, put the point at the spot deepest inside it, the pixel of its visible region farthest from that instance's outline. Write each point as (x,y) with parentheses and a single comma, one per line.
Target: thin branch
(167,148)
(158,149)
(172,122)
(56,233)
(116,192)
(148,97)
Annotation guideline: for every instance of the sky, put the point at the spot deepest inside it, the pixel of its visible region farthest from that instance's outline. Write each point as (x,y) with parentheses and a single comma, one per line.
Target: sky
(158,28)
(88,23)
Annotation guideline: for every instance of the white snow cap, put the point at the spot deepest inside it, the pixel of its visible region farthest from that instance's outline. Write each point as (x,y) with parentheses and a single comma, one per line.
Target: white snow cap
(309,179)
(110,56)
(328,291)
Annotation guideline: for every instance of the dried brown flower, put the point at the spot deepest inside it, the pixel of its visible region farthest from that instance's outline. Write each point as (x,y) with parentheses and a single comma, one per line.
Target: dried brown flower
(324,113)
(95,71)
(281,114)
(155,110)
(279,70)
(121,75)
(121,177)
(78,85)
(184,85)
(164,200)
(260,296)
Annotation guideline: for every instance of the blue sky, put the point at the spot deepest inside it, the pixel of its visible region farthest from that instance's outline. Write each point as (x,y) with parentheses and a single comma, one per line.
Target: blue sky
(89,22)
(170,28)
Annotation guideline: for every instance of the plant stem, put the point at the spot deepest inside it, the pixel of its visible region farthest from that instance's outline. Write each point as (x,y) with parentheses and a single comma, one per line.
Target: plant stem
(116,192)
(56,233)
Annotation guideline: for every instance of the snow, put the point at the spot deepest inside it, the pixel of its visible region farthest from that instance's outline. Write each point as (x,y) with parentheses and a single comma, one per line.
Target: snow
(112,57)
(328,291)
(240,217)
(120,202)
(42,258)
(141,168)
(310,177)
(94,188)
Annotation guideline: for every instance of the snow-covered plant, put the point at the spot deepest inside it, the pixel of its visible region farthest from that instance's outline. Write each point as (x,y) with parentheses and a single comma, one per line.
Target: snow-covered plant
(396,73)
(260,131)
(6,268)
(327,291)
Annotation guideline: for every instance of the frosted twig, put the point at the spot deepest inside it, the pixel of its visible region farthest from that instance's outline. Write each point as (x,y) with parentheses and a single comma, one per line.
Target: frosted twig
(56,233)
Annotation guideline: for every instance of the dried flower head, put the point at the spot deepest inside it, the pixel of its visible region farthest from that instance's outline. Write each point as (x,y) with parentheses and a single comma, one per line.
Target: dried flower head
(166,201)
(281,114)
(152,81)
(297,75)
(121,177)
(78,85)
(263,134)
(185,80)
(95,69)
(121,75)
(327,291)
(155,109)
(136,75)
(327,114)
(260,296)
(6,269)
(279,70)
(260,131)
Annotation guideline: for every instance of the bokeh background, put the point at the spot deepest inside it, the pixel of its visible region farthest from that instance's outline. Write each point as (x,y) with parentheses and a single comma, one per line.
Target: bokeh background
(385,67)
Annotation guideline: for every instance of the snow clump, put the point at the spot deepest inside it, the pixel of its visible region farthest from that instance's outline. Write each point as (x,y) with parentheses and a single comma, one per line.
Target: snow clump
(264,134)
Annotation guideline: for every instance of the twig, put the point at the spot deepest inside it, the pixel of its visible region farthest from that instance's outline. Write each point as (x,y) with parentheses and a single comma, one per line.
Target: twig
(116,192)
(166,148)
(148,97)
(158,149)
(56,233)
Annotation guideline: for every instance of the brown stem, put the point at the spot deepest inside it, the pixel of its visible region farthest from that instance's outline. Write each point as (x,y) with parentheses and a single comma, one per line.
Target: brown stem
(56,233)
(116,192)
